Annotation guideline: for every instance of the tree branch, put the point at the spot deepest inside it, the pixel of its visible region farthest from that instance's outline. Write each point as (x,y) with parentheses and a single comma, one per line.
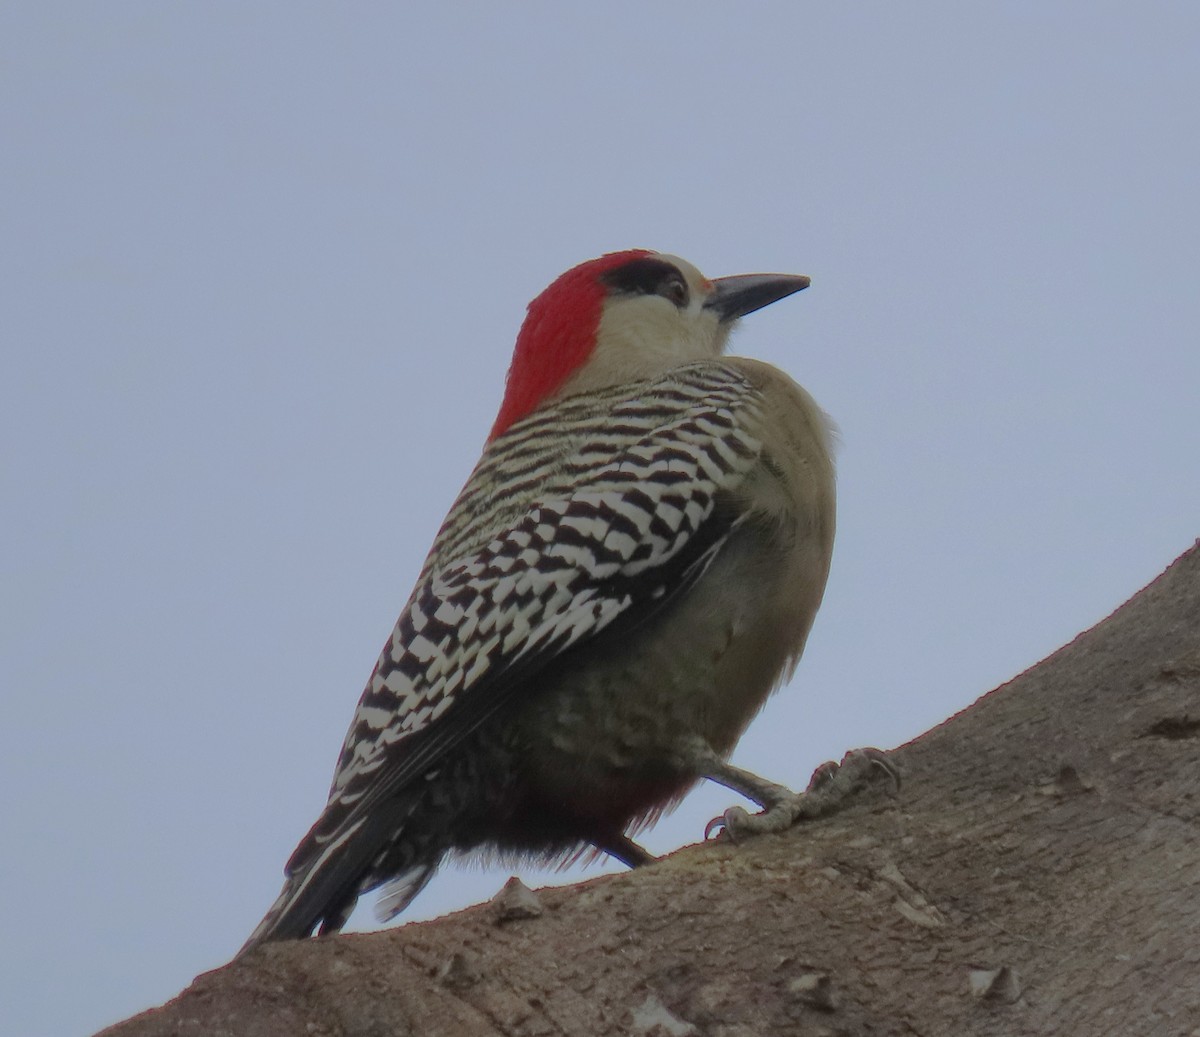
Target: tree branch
(1039,874)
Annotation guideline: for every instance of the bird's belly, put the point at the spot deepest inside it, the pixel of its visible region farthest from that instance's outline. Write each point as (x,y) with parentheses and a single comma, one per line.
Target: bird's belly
(600,739)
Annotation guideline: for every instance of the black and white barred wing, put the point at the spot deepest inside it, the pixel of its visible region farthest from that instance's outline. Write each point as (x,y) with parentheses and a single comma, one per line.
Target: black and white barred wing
(602,541)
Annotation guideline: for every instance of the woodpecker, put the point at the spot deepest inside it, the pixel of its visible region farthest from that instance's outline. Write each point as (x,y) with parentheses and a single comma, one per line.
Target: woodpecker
(631,569)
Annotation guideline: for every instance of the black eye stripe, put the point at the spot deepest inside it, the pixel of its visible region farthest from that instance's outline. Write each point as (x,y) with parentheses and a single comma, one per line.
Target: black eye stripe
(648,276)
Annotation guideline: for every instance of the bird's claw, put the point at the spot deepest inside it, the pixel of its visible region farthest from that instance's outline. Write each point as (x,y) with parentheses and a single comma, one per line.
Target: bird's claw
(859,768)
(831,784)
(737,822)
(822,775)
(734,822)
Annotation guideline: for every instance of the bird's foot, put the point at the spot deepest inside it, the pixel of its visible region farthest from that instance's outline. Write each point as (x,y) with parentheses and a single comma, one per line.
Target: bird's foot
(624,849)
(832,784)
(737,822)
(859,769)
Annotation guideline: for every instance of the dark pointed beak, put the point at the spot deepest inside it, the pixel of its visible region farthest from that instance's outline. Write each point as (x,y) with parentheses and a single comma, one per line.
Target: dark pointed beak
(734,297)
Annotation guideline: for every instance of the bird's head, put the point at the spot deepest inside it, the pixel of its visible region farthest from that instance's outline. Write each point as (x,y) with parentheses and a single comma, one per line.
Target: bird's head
(625,317)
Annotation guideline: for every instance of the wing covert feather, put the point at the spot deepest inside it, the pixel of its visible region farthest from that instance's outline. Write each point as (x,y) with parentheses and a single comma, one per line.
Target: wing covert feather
(545,548)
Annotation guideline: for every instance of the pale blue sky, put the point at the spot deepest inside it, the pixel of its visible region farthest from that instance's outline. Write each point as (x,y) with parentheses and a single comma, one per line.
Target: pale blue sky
(262,268)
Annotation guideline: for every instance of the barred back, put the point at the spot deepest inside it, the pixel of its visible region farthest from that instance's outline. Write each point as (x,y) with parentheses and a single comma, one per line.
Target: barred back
(688,414)
(573,516)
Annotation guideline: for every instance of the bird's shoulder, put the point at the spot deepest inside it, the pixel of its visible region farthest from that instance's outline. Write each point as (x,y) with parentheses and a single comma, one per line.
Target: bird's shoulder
(650,435)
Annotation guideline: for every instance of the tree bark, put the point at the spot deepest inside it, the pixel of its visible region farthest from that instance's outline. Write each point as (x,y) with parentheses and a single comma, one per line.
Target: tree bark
(1039,873)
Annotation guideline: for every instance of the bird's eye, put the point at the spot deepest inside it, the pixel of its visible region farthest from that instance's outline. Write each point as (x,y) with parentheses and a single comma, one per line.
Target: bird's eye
(648,275)
(675,289)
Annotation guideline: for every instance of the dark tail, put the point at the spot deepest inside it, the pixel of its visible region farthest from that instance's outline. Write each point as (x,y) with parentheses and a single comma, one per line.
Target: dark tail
(325,877)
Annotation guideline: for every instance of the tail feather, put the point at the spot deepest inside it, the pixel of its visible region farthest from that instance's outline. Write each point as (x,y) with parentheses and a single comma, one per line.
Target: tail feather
(322,891)
(322,887)
(396,894)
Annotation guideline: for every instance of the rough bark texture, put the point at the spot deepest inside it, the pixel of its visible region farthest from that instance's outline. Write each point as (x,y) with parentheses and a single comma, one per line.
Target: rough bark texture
(1039,874)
